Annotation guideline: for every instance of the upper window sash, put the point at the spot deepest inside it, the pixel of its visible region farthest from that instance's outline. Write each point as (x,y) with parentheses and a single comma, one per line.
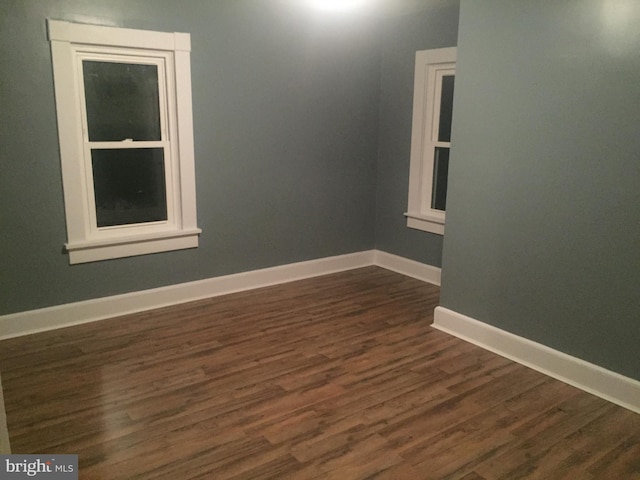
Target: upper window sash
(438,74)
(86,57)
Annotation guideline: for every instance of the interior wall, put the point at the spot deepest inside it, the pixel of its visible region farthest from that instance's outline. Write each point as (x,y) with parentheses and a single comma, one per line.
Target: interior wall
(285,105)
(543,230)
(436,27)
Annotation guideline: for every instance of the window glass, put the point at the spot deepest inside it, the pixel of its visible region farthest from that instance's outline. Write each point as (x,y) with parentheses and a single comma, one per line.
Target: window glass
(440,175)
(446,108)
(129,185)
(122,101)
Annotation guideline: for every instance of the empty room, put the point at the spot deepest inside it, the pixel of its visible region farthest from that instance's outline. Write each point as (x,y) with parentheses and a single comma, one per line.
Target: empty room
(305,239)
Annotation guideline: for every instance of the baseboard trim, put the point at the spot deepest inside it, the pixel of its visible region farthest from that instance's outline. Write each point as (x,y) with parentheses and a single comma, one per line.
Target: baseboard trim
(410,268)
(67,315)
(586,376)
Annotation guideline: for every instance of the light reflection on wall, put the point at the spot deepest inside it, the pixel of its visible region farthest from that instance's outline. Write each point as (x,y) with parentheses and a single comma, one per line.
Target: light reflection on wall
(336,5)
(620,26)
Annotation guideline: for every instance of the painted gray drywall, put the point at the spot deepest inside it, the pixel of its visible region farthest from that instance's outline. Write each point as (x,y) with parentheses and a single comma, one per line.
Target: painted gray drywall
(401,38)
(543,213)
(285,106)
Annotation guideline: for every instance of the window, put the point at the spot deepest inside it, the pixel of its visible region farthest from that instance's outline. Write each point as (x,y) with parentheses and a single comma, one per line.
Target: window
(431,139)
(123,100)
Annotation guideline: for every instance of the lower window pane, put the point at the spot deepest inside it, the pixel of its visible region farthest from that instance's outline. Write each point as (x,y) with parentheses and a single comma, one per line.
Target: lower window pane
(440,175)
(129,185)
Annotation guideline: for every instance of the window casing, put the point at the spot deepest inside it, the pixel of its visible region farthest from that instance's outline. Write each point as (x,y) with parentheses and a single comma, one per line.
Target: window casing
(431,139)
(123,100)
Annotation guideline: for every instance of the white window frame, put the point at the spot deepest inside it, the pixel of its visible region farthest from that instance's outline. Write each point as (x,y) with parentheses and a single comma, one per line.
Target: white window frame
(430,66)
(71,44)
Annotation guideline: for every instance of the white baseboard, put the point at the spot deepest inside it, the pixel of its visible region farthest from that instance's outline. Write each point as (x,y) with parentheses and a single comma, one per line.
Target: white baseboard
(586,376)
(33,321)
(60,316)
(410,268)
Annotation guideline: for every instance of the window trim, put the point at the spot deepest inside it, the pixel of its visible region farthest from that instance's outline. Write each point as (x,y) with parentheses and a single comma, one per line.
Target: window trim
(85,242)
(429,64)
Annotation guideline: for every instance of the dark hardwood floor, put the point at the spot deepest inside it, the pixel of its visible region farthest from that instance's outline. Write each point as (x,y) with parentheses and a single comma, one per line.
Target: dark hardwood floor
(336,377)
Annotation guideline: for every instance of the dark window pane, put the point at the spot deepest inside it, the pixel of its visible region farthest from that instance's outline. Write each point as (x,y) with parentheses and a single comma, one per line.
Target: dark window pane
(122,101)
(446,108)
(440,175)
(129,186)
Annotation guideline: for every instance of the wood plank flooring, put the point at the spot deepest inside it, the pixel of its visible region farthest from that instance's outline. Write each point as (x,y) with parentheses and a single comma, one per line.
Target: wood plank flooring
(336,377)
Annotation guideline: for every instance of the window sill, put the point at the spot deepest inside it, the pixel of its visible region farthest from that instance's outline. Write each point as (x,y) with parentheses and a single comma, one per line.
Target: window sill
(96,250)
(426,223)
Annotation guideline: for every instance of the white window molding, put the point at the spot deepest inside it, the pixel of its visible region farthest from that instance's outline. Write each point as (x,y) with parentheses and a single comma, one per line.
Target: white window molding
(427,197)
(75,48)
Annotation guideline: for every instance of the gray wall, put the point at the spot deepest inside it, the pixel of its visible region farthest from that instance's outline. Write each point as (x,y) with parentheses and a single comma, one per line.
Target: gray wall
(401,38)
(286,116)
(543,219)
